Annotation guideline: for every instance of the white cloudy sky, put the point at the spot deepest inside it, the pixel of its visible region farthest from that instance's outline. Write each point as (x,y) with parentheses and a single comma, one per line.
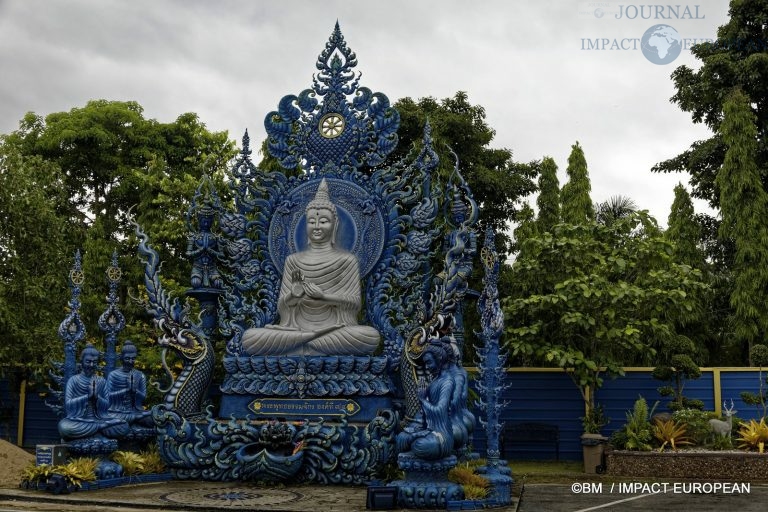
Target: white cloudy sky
(231,61)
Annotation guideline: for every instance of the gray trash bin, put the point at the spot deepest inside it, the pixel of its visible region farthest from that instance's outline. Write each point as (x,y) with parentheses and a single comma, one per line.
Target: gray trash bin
(593,449)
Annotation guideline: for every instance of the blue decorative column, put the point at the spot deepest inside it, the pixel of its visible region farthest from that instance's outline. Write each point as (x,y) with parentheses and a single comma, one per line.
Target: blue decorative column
(490,383)
(71,329)
(112,320)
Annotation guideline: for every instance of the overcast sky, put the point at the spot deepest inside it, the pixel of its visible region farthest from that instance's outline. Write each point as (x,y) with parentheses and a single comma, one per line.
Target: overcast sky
(528,63)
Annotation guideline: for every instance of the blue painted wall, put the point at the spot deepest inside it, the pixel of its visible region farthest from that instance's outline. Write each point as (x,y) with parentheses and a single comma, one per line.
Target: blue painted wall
(534,395)
(550,397)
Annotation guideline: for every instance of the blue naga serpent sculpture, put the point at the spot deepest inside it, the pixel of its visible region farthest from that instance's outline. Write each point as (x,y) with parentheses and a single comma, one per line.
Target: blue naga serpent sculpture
(186,392)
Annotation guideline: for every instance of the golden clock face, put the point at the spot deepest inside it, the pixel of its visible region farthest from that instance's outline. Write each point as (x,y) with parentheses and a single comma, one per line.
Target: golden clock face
(331,125)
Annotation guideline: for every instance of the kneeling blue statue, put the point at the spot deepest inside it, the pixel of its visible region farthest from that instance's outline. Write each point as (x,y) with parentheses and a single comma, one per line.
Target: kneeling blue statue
(430,435)
(427,443)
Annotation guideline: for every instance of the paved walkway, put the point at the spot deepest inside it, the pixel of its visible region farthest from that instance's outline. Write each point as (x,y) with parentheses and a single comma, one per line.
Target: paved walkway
(561,498)
(194,496)
(216,496)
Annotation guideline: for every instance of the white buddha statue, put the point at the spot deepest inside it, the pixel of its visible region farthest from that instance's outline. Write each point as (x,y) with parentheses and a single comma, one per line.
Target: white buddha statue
(319,299)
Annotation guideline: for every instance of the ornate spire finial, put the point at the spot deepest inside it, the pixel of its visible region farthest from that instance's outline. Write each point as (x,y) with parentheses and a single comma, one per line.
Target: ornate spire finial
(72,329)
(112,320)
(335,122)
(246,151)
(322,199)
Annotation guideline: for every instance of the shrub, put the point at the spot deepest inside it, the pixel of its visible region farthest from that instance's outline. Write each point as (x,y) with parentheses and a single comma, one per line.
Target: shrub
(721,443)
(670,433)
(132,462)
(696,424)
(473,492)
(82,469)
(75,472)
(759,356)
(467,476)
(475,486)
(595,420)
(753,435)
(153,463)
(32,474)
(636,432)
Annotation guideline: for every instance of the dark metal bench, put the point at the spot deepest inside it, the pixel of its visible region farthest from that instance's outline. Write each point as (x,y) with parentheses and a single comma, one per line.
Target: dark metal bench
(529,433)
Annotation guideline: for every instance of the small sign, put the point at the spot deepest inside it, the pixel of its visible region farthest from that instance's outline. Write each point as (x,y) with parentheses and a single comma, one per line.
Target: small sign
(304,407)
(53,454)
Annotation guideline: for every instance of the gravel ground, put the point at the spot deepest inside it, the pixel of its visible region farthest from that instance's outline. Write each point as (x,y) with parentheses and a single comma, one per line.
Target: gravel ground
(13,460)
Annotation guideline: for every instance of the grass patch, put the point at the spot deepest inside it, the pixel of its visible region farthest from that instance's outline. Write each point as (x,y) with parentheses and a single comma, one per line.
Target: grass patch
(562,472)
(547,472)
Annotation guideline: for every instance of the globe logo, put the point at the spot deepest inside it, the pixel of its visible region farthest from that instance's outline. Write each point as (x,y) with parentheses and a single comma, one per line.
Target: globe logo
(661,44)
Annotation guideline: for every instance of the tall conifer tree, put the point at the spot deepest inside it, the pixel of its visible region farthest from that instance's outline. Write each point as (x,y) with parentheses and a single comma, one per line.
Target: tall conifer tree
(526,227)
(683,231)
(744,207)
(548,201)
(575,202)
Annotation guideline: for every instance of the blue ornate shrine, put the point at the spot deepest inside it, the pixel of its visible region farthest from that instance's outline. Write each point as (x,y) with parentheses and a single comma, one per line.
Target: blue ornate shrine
(340,336)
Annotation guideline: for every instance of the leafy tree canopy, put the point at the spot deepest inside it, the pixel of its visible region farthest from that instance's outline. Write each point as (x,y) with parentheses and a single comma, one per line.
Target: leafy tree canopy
(591,298)
(736,59)
(548,200)
(69,180)
(575,202)
(498,183)
(744,205)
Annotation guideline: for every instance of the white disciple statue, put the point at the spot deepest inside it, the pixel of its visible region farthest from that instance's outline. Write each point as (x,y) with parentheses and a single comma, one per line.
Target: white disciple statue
(319,299)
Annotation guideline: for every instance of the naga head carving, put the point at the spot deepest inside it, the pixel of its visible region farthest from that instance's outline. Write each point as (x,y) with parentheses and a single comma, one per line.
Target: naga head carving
(183,339)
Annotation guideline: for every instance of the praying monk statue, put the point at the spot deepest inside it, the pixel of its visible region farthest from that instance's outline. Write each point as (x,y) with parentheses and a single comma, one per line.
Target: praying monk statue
(126,390)
(319,299)
(85,405)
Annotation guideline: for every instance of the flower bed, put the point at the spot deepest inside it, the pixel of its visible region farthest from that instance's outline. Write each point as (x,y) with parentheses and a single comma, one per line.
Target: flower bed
(727,465)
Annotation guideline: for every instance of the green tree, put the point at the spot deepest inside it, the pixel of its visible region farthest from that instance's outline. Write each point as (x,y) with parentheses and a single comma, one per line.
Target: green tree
(575,202)
(498,183)
(527,227)
(614,209)
(107,157)
(677,356)
(736,59)
(33,256)
(683,230)
(744,207)
(591,299)
(676,365)
(548,201)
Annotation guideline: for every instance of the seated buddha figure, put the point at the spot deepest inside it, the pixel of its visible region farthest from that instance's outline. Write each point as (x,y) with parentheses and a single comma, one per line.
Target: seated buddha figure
(319,298)
(126,390)
(85,403)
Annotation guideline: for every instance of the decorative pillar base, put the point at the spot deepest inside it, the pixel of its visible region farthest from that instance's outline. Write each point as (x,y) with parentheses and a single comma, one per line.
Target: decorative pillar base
(426,483)
(501,489)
